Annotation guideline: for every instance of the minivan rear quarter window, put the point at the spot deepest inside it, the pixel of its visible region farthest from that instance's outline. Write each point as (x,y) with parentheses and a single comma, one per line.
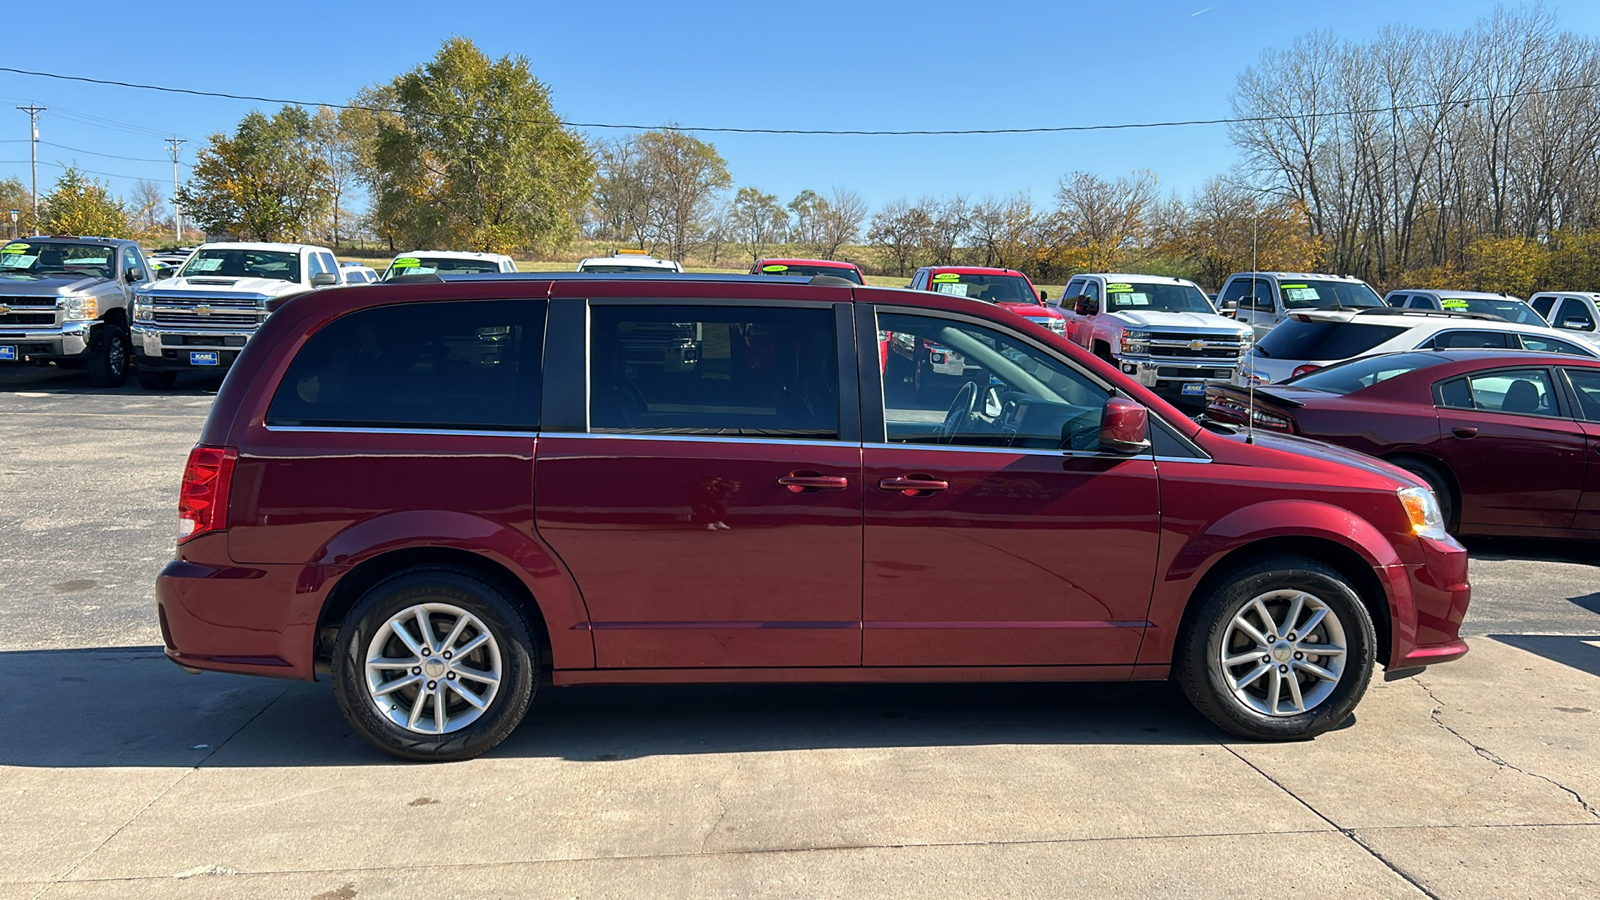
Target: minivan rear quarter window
(469,365)
(1312,339)
(714,370)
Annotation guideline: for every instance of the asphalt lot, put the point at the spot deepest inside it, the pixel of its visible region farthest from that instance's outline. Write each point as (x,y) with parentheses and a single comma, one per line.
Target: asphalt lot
(123,777)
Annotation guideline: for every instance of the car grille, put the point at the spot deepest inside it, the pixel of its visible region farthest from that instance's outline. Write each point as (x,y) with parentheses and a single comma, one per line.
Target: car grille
(1177,345)
(188,311)
(47,301)
(1186,372)
(48,318)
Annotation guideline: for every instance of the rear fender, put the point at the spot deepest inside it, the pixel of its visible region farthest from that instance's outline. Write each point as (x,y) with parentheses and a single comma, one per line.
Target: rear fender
(527,559)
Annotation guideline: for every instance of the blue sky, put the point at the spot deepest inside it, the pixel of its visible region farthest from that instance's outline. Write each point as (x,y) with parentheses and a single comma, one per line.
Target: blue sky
(933,64)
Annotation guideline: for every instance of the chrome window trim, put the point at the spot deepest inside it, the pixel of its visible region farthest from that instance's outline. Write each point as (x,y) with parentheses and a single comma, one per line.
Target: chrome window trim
(699,438)
(363,429)
(1013,451)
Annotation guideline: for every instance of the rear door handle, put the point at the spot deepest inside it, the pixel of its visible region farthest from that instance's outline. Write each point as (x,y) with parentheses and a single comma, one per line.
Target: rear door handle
(914,485)
(811,482)
(1464,433)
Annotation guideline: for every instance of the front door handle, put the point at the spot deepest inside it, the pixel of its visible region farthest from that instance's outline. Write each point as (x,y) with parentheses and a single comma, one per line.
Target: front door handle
(1464,432)
(811,482)
(914,485)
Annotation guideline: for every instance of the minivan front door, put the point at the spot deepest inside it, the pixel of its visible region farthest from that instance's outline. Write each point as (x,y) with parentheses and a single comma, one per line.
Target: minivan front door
(711,512)
(986,543)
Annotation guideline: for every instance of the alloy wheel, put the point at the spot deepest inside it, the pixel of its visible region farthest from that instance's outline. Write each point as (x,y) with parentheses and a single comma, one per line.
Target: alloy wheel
(1283,653)
(433,668)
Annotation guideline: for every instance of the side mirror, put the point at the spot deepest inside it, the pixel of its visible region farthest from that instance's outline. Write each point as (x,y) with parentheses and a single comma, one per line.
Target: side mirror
(135,274)
(1087,306)
(1043,296)
(324,279)
(1575,325)
(1124,426)
(1230,304)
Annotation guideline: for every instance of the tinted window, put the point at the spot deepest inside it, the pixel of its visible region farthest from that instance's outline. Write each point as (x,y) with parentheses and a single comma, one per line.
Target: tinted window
(1348,377)
(130,260)
(1470,340)
(1316,293)
(989,288)
(1314,340)
(464,365)
(1242,288)
(1552,345)
(1455,394)
(1574,313)
(810,271)
(1542,305)
(1586,382)
(1420,301)
(981,387)
(1520,391)
(428,265)
(1396,299)
(714,370)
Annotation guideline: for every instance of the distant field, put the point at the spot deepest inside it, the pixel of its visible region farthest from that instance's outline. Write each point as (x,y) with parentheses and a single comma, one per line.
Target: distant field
(382,262)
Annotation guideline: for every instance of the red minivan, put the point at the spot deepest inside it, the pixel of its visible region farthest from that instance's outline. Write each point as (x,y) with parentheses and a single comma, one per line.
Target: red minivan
(441,495)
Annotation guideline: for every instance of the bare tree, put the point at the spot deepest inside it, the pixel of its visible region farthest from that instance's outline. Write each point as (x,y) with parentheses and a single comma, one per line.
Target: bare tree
(841,221)
(899,231)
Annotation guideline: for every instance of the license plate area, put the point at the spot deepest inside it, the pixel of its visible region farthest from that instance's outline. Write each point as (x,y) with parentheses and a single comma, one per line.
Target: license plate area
(204,358)
(8,353)
(1194,389)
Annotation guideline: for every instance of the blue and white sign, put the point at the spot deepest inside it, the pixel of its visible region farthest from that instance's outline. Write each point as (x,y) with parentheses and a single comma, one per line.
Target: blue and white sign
(203,358)
(8,353)
(1194,389)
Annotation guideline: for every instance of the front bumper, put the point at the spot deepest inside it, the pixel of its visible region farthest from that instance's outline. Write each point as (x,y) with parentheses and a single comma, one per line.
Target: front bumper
(1430,601)
(1166,376)
(161,347)
(61,342)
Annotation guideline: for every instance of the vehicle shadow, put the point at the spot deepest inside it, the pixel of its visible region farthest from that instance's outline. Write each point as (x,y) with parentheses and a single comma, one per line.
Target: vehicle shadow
(53,380)
(1577,651)
(1582,552)
(116,707)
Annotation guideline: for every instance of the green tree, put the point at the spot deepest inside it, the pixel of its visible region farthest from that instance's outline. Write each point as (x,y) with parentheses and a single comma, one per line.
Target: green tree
(81,206)
(682,176)
(266,182)
(476,158)
(757,221)
(14,195)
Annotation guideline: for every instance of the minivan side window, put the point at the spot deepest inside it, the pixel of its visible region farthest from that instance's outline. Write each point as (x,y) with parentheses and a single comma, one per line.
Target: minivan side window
(714,370)
(461,365)
(973,386)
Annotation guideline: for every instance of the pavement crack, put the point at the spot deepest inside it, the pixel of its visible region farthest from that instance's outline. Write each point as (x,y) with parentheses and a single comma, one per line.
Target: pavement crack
(1491,756)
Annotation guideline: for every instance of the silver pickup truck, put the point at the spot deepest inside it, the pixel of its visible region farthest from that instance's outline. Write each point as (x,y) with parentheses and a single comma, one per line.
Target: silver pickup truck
(65,300)
(201,319)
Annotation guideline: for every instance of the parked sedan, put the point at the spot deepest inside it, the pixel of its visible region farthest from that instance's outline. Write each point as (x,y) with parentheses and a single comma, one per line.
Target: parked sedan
(1503,438)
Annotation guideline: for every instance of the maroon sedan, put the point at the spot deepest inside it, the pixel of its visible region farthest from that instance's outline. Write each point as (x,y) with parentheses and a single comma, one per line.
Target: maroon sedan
(1510,442)
(443,495)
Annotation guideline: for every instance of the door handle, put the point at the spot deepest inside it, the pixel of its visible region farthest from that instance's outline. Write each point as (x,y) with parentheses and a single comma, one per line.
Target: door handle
(1464,432)
(811,482)
(914,485)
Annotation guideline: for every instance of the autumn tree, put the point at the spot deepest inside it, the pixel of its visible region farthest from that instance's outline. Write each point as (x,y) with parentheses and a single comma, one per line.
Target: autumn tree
(335,136)
(1106,219)
(264,182)
(474,157)
(682,176)
(840,222)
(80,205)
(14,195)
(757,220)
(899,232)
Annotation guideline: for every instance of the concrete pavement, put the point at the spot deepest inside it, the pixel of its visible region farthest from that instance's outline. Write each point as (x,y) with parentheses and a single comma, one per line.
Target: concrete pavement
(135,780)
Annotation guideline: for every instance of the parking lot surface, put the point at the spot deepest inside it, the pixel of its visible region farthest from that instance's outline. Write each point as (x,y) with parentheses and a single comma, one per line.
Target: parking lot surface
(123,777)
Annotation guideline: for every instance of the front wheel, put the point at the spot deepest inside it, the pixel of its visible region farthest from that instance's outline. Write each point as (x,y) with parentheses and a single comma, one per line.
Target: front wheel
(1280,649)
(435,664)
(108,361)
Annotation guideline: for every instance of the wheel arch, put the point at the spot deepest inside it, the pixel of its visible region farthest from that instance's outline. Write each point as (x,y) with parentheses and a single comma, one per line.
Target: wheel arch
(353,584)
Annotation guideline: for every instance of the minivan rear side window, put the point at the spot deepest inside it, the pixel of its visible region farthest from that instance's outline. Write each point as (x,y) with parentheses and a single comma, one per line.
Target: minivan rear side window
(464,365)
(714,370)
(1317,340)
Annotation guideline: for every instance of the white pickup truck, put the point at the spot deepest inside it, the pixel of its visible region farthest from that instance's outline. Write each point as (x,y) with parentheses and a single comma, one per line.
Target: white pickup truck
(1161,331)
(202,317)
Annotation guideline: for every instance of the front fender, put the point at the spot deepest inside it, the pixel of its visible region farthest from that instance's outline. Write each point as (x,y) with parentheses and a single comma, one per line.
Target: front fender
(566,617)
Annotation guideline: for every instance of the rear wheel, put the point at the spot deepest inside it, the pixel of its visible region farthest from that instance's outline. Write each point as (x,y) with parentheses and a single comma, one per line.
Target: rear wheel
(1434,479)
(435,664)
(1280,649)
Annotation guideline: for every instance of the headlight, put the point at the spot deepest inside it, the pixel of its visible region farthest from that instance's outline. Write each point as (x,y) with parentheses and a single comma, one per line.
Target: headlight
(1059,326)
(1136,343)
(79,307)
(1422,508)
(141,309)
(1247,342)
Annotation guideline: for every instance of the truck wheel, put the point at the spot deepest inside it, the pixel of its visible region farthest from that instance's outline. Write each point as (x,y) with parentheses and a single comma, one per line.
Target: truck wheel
(434,664)
(1280,649)
(108,361)
(1103,350)
(157,380)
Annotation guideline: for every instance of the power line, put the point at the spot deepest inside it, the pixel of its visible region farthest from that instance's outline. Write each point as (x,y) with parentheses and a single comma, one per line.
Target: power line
(64,166)
(1049,129)
(98,153)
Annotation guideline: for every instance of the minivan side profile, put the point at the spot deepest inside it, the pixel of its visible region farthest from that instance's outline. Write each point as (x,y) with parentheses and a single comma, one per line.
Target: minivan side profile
(443,494)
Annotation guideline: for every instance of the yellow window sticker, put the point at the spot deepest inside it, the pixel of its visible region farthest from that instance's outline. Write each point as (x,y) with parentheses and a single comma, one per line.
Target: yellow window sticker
(14,248)
(947,276)
(1456,303)
(774,269)
(1119,288)
(406,262)
(1288,286)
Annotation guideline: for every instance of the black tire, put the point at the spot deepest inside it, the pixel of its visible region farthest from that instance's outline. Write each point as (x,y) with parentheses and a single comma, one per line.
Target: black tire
(157,380)
(1435,479)
(1199,670)
(467,591)
(1103,350)
(109,361)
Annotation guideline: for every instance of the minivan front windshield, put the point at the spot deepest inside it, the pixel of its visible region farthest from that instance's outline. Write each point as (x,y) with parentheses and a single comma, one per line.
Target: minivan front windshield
(1316,293)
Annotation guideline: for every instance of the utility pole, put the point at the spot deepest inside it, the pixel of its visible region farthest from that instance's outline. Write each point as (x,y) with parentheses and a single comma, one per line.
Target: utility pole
(177,214)
(33,111)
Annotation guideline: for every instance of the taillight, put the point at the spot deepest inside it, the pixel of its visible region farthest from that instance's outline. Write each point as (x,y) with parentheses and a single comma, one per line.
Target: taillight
(203,499)
(1303,370)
